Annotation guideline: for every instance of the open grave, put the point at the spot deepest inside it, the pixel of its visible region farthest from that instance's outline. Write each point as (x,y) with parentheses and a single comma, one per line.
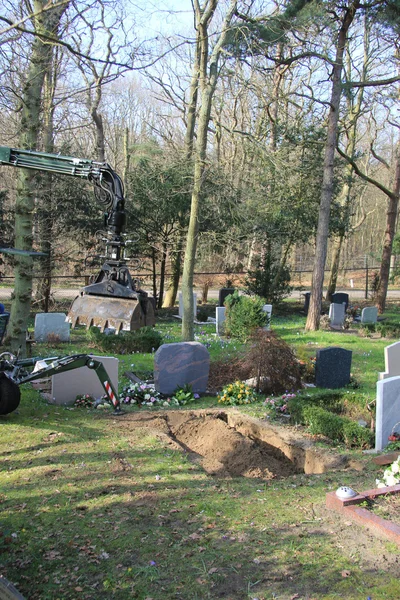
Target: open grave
(230,444)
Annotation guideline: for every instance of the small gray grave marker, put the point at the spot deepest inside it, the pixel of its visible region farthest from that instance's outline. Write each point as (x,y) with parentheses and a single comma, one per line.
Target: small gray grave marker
(267,308)
(220,319)
(332,367)
(369,314)
(51,324)
(387,410)
(337,314)
(179,364)
(180,313)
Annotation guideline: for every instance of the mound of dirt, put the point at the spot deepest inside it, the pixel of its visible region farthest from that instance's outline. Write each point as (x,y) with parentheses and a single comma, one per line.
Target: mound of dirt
(218,448)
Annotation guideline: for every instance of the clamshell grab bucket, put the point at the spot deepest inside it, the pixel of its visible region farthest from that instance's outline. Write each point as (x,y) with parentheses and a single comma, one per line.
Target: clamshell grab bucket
(121,314)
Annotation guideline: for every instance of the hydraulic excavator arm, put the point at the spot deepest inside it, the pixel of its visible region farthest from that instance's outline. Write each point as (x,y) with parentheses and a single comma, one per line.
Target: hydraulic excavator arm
(15,372)
(109,189)
(113,299)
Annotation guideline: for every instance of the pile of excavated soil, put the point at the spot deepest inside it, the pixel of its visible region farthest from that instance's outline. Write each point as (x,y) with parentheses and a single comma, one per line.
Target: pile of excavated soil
(219,449)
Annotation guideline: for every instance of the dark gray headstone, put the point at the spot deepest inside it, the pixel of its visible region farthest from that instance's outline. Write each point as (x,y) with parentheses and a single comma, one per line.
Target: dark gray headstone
(332,368)
(183,363)
(223,293)
(340,298)
(306,301)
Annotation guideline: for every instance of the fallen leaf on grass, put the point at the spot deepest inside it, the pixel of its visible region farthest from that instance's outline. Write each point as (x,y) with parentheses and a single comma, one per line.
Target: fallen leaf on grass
(346,573)
(212,571)
(52,555)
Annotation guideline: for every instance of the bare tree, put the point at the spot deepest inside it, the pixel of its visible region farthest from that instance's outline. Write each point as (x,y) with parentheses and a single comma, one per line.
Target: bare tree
(314,311)
(208,78)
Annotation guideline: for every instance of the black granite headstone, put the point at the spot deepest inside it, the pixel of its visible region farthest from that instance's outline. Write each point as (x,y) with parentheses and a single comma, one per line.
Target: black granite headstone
(340,298)
(332,368)
(223,293)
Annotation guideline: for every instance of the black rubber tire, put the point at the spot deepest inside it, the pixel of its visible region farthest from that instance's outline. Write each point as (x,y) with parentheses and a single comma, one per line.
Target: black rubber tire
(10,395)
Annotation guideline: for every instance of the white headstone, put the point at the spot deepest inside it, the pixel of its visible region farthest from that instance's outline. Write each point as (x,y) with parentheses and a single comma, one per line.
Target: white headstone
(220,319)
(65,387)
(392,361)
(267,308)
(180,313)
(387,410)
(51,325)
(369,314)
(337,314)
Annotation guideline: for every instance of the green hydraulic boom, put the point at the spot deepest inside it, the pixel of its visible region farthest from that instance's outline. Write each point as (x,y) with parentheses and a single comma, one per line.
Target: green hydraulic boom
(113,299)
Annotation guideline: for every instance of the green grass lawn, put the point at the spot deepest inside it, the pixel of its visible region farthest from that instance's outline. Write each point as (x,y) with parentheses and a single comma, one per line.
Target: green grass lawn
(93,507)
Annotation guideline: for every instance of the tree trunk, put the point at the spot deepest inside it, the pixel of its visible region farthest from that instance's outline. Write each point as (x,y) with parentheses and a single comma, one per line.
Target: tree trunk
(337,247)
(314,311)
(391,218)
(162,274)
(208,80)
(45,201)
(176,266)
(354,104)
(45,22)
(154,272)
(176,262)
(127,157)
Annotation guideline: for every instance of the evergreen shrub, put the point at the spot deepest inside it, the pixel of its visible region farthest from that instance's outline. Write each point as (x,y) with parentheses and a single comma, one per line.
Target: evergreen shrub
(338,429)
(388,329)
(145,340)
(330,400)
(243,316)
(271,280)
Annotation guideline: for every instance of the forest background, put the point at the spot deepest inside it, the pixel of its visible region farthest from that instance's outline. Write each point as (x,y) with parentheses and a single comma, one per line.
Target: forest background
(249,135)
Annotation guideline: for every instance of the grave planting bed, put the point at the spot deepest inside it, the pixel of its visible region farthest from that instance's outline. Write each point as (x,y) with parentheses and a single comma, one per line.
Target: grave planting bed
(230,444)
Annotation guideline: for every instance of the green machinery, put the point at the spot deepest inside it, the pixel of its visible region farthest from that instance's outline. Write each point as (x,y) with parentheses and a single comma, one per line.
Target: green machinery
(113,299)
(15,371)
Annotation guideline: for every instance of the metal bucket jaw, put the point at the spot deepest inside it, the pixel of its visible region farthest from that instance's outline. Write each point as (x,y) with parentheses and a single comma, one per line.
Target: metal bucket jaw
(121,314)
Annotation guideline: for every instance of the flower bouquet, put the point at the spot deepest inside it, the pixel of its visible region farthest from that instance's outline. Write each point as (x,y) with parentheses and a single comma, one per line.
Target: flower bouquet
(140,394)
(391,475)
(84,401)
(237,393)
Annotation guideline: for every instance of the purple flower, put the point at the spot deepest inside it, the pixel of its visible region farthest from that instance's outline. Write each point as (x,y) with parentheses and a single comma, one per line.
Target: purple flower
(196,396)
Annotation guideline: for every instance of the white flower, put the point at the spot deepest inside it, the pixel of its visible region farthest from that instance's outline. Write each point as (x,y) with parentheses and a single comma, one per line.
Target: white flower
(147,396)
(391,480)
(396,466)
